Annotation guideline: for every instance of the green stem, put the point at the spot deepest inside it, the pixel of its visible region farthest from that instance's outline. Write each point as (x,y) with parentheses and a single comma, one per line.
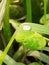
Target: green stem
(6,27)
(7,49)
(44,10)
(29,10)
(10,61)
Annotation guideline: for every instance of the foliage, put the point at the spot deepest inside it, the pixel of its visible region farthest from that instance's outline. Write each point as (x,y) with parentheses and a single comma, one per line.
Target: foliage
(31,37)
(35,63)
(23,35)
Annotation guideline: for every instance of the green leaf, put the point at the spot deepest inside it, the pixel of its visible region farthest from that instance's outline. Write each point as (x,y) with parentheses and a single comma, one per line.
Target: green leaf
(34,63)
(9,61)
(41,56)
(14,23)
(2,11)
(6,27)
(37,28)
(30,30)
(45,22)
(2,57)
(45,49)
(31,40)
(47,9)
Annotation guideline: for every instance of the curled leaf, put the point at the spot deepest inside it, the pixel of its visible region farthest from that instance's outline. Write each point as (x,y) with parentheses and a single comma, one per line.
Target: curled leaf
(45,22)
(31,40)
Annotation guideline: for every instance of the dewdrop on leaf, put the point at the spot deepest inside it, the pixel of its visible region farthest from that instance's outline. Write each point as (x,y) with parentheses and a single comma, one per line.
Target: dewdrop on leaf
(26,27)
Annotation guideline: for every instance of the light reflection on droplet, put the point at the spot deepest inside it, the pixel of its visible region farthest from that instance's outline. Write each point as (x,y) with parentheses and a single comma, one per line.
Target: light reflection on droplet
(26,27)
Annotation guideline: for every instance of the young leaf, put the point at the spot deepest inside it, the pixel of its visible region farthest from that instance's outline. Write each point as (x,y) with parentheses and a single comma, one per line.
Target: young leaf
(45,22)
(31,40)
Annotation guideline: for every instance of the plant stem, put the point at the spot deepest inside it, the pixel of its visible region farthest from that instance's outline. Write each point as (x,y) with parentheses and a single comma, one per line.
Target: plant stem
(29,10)
(7,49)
(6,27)
(44,10)
(10,61)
